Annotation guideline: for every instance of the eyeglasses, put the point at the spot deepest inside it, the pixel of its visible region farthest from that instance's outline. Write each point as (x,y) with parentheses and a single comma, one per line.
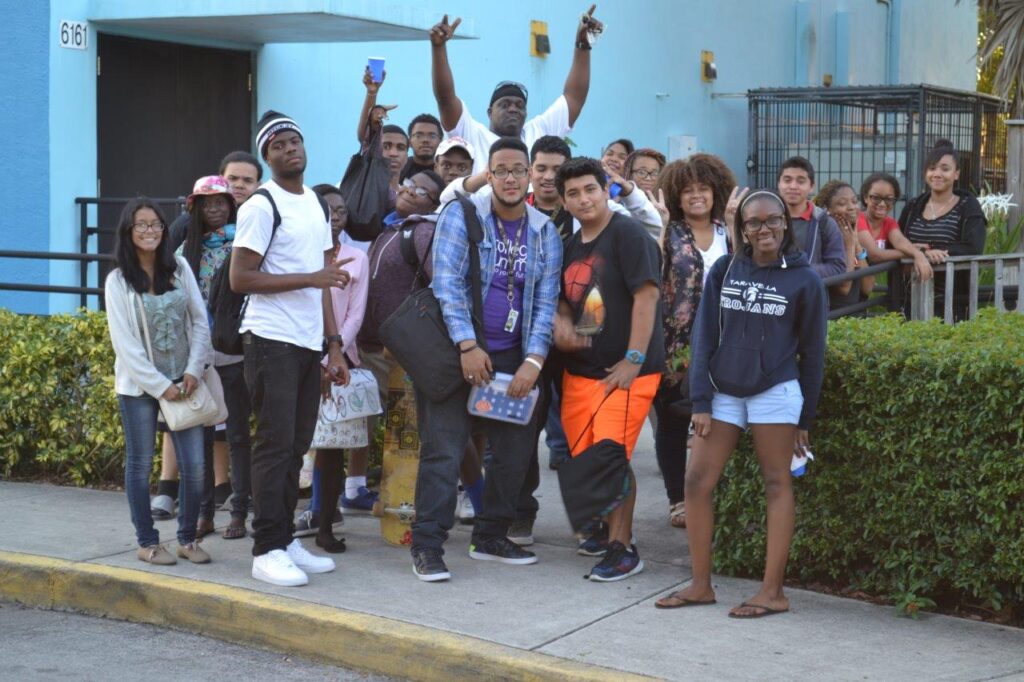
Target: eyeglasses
(517,172)
(459,167)
(421,192)
(773,222)
(425,136)
(646,174)
(143,228)
(881,201)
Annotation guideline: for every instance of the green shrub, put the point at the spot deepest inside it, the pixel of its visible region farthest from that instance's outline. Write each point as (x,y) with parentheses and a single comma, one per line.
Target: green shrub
(917,493)
(58,412)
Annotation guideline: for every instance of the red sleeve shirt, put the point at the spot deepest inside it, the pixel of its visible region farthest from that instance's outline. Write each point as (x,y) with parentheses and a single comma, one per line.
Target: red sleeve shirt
(882,238)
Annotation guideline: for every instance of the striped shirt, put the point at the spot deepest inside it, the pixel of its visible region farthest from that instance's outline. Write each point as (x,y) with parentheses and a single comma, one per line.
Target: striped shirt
(937,233)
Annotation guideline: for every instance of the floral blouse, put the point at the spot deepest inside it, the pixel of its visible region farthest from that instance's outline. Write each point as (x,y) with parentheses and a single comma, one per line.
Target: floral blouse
(682,284)
(166,317)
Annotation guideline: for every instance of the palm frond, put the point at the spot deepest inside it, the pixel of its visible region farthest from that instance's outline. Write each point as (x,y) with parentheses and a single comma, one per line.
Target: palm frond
(1006,36)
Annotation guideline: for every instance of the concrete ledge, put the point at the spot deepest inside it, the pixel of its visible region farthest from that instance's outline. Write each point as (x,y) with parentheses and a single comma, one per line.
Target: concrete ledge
(290,626)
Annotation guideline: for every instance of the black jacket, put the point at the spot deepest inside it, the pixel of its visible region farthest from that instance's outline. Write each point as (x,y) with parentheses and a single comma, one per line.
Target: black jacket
(972,223)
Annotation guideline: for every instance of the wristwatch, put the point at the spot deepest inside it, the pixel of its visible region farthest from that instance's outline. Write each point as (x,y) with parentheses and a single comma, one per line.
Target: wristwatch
(635,357)
(332,338)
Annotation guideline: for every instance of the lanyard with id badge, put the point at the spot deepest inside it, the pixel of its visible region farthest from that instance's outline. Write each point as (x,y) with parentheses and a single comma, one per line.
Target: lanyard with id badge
(510,281)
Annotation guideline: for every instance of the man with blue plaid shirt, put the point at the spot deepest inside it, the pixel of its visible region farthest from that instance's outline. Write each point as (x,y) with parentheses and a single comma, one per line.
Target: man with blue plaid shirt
(520,262)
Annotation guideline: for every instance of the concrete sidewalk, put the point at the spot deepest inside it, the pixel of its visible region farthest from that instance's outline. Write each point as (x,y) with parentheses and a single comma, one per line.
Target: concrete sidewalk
(541,621)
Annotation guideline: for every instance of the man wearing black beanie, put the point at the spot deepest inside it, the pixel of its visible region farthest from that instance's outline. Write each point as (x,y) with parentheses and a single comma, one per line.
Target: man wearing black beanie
(507,110)
(282,258)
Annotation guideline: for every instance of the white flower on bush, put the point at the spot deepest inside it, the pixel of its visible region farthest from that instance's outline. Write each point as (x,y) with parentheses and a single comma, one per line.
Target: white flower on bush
(996,205)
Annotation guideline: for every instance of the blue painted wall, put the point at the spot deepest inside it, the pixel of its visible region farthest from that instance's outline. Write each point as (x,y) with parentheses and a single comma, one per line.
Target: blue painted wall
(645,85)
(24,174)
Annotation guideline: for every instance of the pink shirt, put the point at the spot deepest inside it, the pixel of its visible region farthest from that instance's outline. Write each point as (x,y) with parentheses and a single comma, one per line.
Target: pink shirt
(350,302)
(888,225)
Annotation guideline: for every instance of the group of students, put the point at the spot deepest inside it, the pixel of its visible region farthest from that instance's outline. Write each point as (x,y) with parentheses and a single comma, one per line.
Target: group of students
(591,284)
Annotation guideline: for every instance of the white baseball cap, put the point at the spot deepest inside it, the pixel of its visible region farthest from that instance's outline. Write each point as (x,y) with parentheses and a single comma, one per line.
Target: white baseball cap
(453,142)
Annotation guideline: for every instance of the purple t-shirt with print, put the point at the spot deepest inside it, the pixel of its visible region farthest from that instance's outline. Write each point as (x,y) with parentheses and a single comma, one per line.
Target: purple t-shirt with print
(496,306)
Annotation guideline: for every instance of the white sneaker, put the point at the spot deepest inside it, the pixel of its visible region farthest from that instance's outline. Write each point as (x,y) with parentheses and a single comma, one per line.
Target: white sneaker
(465,509)
(310,563)
(277,568)
(306,473)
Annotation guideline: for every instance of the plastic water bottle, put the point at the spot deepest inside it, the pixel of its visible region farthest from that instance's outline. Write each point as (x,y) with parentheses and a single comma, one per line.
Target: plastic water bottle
(798,466)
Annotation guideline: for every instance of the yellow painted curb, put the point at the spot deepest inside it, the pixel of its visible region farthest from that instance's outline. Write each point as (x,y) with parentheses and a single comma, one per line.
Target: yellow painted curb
(333,635)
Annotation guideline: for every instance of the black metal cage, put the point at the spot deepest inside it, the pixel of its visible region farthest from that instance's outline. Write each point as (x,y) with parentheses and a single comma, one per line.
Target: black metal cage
(850,132)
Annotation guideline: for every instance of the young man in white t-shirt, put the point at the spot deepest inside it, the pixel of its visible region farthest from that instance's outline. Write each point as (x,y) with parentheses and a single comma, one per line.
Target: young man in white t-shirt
(288,274)
(507,110)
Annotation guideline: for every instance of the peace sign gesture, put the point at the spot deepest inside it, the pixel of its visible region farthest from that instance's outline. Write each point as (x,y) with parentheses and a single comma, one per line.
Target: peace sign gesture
(442,32)
(659,204)
(733,204)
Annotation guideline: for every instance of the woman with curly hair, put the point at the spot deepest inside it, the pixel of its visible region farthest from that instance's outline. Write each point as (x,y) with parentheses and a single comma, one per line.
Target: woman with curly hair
(840,200)
(696,193)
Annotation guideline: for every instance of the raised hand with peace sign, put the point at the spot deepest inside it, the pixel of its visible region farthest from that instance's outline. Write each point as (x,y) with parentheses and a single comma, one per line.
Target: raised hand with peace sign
(735,197)
(442,31)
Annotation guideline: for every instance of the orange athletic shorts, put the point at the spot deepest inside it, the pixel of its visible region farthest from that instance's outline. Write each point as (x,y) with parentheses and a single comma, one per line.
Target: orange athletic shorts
(587,417)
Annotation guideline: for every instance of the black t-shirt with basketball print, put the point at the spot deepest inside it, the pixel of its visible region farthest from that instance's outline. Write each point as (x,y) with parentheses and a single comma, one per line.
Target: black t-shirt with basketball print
(599,279)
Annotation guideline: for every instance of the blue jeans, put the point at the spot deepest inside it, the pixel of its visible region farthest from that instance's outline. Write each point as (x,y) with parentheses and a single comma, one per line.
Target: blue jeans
(138,415)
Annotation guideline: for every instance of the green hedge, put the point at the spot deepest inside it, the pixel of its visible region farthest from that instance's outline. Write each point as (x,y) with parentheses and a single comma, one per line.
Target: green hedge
(917,493)
(59,418)
(58,412)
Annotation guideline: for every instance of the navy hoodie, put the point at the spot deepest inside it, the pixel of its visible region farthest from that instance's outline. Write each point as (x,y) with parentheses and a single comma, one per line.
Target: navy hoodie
(758,326)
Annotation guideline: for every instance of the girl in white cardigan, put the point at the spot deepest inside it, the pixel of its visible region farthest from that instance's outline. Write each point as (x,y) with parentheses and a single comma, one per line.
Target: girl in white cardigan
(149,275)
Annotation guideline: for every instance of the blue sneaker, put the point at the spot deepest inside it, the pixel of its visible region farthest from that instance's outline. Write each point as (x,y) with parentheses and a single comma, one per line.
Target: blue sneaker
(363,501)
(618,564)
(597,543)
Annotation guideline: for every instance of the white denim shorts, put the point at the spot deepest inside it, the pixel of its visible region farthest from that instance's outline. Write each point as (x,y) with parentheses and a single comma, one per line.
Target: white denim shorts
(780,404)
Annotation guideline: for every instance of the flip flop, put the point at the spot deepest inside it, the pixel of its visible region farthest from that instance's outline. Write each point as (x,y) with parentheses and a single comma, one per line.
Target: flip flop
(765,611)
(682,602)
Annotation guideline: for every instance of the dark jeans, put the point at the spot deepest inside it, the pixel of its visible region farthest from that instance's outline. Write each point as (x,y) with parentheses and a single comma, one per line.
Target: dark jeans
(670,442)
(138,416)
(206,507)
(284,386)
(236,395)
(551,390)
(445,428)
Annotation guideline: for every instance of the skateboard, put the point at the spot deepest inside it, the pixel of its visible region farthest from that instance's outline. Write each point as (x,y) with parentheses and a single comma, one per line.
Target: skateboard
(400,462)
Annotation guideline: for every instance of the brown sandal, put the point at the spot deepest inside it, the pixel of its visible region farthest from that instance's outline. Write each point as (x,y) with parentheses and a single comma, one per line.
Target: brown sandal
(204,528)
(677,515)
(235,530)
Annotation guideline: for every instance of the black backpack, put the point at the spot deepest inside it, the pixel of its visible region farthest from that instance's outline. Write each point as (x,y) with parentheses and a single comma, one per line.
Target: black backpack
(227,308)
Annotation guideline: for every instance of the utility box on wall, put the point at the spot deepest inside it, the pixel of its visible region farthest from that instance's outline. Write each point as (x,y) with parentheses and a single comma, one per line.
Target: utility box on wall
(681,146)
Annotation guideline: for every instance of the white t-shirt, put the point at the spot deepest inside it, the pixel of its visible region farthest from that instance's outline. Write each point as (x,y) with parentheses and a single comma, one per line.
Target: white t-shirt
(719,247)
(554,121)
(298,247)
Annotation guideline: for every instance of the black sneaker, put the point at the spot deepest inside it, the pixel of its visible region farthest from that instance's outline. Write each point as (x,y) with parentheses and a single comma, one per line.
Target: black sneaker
(501,549)
(428,565)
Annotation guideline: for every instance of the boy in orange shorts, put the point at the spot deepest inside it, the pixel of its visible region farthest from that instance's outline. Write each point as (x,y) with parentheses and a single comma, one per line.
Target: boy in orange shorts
(609,326)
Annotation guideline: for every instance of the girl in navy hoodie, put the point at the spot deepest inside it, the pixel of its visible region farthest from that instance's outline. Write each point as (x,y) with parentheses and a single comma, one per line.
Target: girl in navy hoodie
(758,355)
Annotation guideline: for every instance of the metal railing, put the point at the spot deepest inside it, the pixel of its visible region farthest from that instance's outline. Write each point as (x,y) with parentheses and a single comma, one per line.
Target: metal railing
(888,297)
(83,291)
(1008,286)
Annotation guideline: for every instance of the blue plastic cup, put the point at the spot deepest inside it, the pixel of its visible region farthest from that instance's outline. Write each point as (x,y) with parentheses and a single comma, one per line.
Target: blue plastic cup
(376,65)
